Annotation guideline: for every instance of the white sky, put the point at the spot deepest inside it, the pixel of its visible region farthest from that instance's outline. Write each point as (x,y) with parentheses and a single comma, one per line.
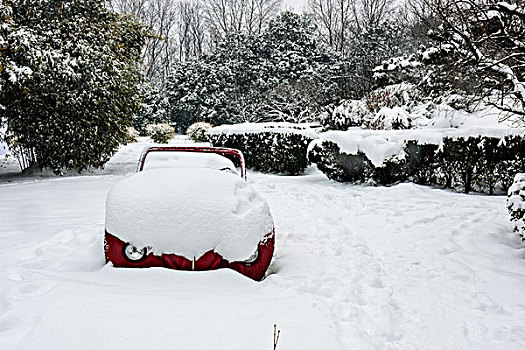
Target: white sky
(296,5)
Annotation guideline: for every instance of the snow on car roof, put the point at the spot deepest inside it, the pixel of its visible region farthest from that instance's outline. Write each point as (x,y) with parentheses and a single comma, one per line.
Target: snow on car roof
(169,159)
(188,211)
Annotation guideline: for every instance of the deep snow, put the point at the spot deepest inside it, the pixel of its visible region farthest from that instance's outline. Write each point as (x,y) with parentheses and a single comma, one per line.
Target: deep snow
(188,211)
(402,267)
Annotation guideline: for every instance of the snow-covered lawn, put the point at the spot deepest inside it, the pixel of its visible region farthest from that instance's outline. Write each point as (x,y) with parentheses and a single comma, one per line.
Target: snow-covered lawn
(403,267)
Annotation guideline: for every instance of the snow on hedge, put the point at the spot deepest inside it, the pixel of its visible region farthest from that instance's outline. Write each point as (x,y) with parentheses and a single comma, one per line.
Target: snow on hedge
(3,145)
(380,145)
(307,129)
(516,204)
(188,211)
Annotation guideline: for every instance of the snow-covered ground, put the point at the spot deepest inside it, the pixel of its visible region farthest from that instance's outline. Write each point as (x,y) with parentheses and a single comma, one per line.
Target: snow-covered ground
(402,267)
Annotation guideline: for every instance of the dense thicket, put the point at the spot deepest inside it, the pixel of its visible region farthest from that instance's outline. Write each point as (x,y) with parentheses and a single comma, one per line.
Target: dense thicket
(472,50)
(487,40)
(80,65)
(283,74)
(475,49)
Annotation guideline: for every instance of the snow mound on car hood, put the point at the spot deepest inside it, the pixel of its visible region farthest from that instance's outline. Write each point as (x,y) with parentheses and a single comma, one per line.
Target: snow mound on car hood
(188,211)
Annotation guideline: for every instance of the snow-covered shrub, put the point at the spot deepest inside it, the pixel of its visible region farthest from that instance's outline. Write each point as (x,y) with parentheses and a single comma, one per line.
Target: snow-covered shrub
(197,131)
(457,162)
(516,204)
(132,134)
(267,147)
(160,133)
(381,98)
(482,163)
(397,106)
(338,165)
(391,118)
(356,168)
(348,114)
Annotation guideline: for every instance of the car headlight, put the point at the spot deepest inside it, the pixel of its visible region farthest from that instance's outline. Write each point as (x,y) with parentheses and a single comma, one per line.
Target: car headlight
(133,253)
(252,258)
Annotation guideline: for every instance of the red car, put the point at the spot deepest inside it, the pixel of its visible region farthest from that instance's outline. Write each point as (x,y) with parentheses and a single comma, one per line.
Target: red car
(187,208)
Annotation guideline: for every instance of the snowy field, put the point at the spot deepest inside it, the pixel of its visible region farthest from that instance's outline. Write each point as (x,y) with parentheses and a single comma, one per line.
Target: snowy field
(403,267)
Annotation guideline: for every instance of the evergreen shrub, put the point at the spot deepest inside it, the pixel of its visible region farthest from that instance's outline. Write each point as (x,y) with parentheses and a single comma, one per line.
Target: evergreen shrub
(197,131)
(350,113)
(338,165)
(132,134)
(160,133)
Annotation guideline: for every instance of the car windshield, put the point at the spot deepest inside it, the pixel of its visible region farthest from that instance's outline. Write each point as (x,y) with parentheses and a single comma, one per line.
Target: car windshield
(167,159)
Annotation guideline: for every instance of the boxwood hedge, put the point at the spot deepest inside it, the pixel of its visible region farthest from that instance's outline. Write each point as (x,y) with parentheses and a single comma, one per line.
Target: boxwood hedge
(273,150)
(476,163)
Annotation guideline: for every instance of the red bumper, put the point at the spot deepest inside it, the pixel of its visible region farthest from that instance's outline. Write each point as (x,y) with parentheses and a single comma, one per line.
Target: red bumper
(113,249)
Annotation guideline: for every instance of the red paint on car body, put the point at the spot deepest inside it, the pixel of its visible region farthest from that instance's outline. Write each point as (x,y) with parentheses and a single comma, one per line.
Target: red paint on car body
(113,248)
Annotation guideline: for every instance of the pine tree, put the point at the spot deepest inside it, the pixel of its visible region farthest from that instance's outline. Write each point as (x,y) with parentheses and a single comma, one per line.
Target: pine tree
(85,62)
(154,108)
(198,91)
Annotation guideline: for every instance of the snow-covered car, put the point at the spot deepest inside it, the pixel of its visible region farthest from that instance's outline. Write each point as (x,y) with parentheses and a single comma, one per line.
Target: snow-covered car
(188,208)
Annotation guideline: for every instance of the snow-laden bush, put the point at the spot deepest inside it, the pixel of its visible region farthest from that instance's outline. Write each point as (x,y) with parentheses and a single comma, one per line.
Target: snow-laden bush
(392,107)
(197,131)
(267,147)
(462,162)
(348,114)
(132,134)
(160,133)
(516,204)
(391,118)
(356,168)
(340,166)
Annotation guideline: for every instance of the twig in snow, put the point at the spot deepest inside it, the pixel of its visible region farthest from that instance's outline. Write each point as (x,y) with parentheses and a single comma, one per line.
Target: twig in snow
(276,333)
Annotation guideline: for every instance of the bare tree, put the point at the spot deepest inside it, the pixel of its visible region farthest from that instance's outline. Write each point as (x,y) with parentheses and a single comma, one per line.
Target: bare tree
(339,20)
(238,16)
(333,18)
(371,13)
(191,32)
(162,17)
(258,13)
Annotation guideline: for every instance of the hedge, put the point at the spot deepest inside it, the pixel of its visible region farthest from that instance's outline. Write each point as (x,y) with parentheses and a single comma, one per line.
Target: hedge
(271,147)
(474,163)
